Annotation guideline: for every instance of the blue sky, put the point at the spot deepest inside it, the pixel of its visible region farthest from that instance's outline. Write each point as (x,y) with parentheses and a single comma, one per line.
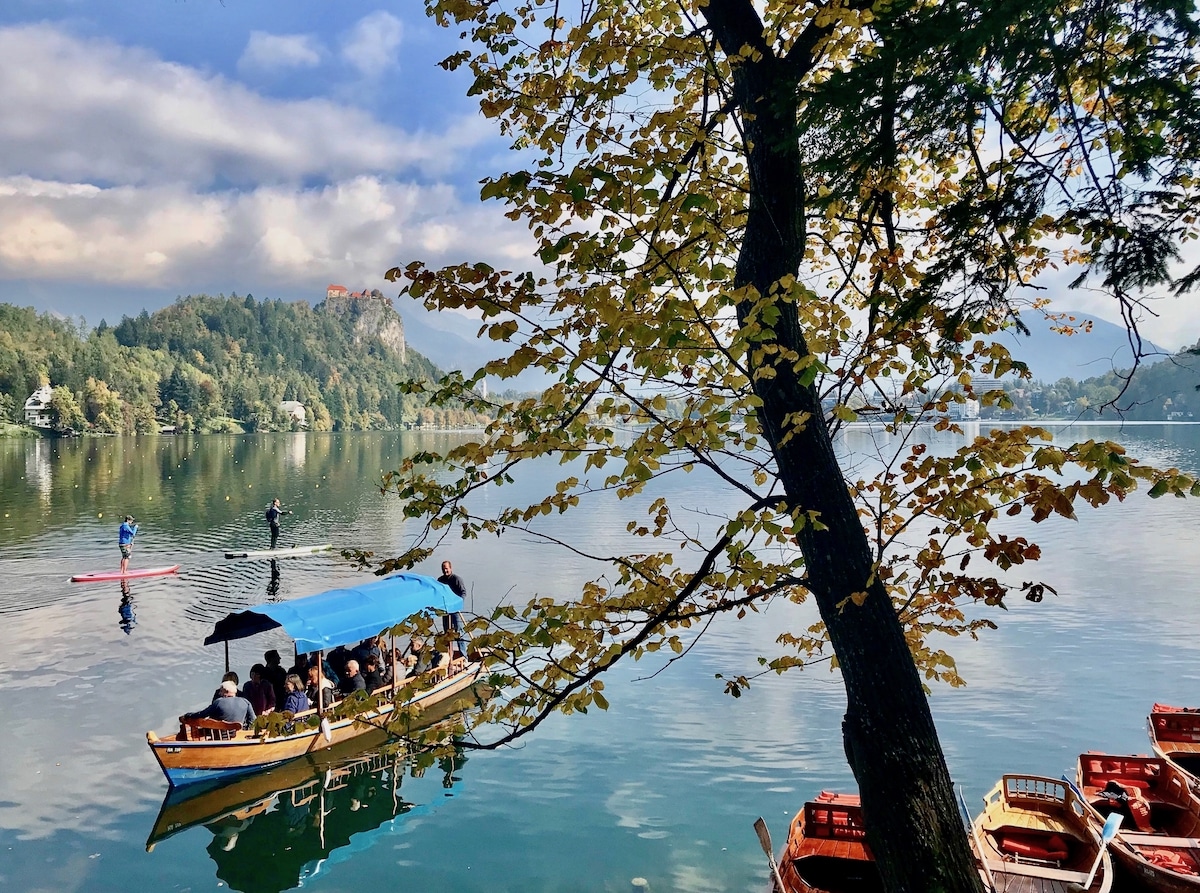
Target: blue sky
(152,148)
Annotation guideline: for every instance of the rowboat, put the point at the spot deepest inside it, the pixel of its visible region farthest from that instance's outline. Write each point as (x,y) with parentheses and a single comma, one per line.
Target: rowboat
(108,576)
(1159,842)
(204,750)
(826,849)
(1175,736)
(293,552)
(1034,836)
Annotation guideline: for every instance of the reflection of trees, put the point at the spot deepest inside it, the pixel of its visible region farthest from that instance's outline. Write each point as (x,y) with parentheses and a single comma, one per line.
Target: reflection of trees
(177,481)
(271,844)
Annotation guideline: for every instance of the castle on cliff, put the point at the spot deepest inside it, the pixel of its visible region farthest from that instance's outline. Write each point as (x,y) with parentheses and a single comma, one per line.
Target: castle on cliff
(373,314)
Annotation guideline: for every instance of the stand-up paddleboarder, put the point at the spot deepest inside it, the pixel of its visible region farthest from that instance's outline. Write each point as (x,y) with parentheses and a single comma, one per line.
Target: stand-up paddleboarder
(125,534)
(272,514)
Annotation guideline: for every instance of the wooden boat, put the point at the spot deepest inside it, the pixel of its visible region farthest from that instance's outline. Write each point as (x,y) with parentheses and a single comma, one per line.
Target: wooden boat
(319,812)
(1175,736)
(826,849)
(208,749)
(1034,836)
(255,793)
(1159,841)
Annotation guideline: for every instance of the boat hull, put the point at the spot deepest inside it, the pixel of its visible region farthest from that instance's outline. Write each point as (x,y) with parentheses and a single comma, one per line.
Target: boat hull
(192,762)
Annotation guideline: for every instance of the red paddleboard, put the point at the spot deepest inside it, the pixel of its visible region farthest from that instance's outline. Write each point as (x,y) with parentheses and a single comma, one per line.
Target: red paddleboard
(100,576)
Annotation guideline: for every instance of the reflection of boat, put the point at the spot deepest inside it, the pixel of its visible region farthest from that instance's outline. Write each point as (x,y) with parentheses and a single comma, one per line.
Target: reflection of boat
(1158,842)
(1033,834)
(827,849)
(205,750)
(1175,735)
(273,830)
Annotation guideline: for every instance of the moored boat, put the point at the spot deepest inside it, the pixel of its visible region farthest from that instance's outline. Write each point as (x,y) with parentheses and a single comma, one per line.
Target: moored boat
(826,849)
(1159,842)
(1034,836)
(1175,736)
(208,750)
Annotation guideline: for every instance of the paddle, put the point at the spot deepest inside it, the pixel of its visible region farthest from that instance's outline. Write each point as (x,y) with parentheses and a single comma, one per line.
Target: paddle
(1111,825)
(764,838)
(987,871)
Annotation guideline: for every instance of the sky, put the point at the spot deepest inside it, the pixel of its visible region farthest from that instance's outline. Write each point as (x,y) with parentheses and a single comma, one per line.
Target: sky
(156,148)
(151,149)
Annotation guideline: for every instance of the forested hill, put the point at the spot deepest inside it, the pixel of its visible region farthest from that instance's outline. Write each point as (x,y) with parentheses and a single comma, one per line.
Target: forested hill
(219,363)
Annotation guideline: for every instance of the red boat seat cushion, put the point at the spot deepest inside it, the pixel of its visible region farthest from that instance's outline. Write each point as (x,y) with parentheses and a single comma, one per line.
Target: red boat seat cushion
(1045,846)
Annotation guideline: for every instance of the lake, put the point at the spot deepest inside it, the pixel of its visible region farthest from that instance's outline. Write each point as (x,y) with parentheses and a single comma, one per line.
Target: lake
(661,789)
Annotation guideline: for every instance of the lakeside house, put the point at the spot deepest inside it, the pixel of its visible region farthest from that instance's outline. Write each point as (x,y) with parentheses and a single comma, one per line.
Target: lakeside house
(295,409)
(37,408)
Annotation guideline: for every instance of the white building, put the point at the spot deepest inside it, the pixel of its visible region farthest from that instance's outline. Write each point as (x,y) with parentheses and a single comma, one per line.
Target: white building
(295,409)
(37,408)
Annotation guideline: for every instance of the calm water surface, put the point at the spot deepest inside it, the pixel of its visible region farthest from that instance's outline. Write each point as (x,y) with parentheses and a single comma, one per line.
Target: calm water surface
(664,786)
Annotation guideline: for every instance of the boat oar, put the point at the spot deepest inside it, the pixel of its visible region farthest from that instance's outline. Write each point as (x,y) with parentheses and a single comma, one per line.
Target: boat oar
(764,838)
(987,870)
(1111,825)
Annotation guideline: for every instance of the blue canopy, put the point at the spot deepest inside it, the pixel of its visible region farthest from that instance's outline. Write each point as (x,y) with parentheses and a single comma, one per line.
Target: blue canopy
(341,616)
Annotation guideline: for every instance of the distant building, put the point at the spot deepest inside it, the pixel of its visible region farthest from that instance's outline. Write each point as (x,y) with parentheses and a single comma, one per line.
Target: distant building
(295,409)
(37,408)
(336,291)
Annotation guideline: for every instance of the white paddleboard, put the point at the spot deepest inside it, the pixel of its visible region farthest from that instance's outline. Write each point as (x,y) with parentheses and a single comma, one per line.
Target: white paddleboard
(280,553)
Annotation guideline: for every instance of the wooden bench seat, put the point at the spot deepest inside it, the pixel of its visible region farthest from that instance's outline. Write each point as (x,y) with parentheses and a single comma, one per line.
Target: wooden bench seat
(206,729)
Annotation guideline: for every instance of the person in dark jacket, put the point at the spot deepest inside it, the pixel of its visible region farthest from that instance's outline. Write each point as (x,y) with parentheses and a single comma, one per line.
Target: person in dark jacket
(272,515)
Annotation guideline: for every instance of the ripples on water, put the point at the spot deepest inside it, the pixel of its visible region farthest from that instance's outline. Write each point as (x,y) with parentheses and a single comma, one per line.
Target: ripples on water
(663,786)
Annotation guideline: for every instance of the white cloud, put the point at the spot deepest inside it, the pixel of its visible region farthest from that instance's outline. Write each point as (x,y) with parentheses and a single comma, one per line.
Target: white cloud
(272,52)
(370,46)
(279,236)
(81,110)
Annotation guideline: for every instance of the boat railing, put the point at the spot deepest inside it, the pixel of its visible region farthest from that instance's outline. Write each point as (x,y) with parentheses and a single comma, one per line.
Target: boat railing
(1034,789)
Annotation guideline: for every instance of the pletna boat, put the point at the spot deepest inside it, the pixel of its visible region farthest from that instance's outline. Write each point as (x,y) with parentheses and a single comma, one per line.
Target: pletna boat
(1034,836)
(208,749)
(826,849)
(1175,736)
(1158,842)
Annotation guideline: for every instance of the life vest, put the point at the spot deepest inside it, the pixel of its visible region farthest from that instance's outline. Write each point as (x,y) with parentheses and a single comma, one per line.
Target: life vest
(1172,860)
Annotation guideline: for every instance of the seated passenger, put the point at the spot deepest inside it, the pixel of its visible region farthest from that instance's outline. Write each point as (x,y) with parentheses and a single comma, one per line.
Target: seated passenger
(353,680)
(324,699)
(297,700)
(228,677)
(259,691)
(372,679)
(229,707)
(423,658)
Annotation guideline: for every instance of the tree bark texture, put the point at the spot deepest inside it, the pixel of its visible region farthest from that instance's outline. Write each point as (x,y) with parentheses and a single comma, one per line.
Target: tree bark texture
(912,820)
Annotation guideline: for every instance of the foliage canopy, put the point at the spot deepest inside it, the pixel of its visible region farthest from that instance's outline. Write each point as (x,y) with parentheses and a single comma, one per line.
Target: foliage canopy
(790,216)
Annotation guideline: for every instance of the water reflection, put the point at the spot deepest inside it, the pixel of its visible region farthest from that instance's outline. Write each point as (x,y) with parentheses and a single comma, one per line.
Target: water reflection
(274,830)
(273,585)
(127,609)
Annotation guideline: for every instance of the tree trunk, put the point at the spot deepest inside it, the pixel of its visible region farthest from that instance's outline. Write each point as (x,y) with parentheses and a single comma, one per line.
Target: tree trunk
(912,821)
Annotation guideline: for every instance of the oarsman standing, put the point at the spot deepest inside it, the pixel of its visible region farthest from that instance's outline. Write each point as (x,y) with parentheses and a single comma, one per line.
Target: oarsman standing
(453,620)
